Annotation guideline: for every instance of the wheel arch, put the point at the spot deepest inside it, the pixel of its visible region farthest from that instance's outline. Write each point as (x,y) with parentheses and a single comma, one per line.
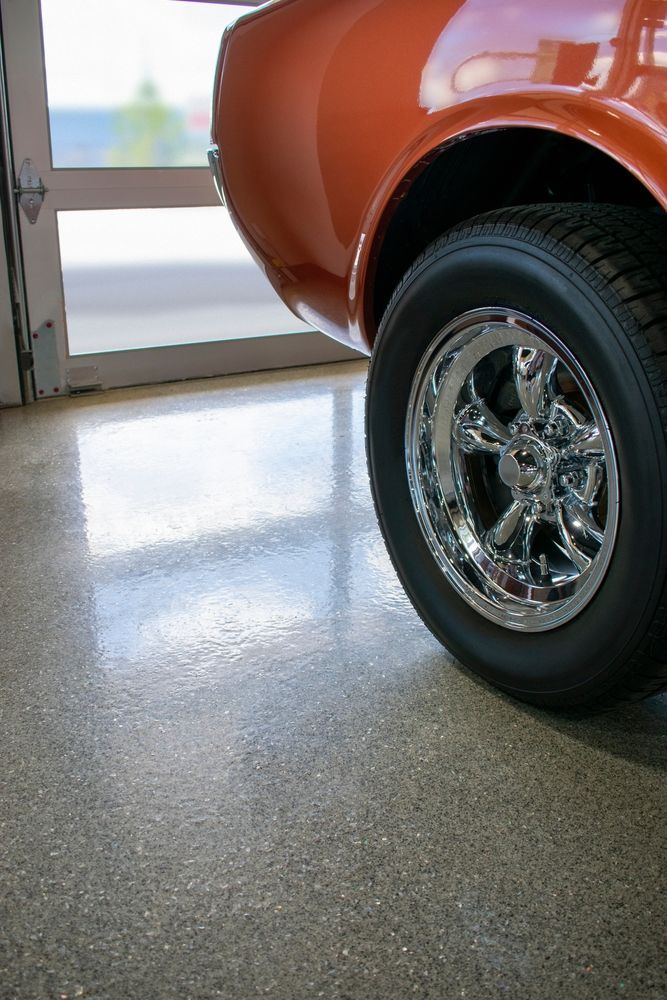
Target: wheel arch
(499,164)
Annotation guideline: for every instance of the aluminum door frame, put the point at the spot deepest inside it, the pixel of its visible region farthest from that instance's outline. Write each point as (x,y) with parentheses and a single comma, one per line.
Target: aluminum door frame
(10,383)
(114,188)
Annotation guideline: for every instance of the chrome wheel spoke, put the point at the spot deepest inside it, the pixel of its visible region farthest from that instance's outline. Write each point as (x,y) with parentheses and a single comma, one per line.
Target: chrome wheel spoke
(477,429)
(533,370)
(571,415)
(587,442)
(568,543)
(580,522)
(595,480)
(512,534)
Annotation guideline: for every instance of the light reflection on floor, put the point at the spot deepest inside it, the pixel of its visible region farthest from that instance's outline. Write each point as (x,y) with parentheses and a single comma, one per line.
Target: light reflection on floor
(189,475)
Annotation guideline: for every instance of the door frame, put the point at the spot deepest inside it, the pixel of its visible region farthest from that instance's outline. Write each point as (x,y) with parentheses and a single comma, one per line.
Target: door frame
(111,188)
(15,383)
(10,382)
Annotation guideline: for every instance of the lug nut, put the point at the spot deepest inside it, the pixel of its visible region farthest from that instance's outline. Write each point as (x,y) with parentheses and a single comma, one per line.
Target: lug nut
(567,479)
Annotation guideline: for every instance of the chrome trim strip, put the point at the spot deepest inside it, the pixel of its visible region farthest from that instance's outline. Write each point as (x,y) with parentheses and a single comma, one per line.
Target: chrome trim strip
(216,170)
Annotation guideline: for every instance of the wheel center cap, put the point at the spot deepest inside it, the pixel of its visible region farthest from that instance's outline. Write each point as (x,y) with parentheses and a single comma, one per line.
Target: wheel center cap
(524,465)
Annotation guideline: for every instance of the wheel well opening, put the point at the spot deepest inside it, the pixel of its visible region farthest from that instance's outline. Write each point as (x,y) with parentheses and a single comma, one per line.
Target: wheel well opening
(495,169)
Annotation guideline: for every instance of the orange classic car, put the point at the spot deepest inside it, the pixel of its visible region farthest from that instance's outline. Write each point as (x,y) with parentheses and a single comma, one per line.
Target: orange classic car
(473,192)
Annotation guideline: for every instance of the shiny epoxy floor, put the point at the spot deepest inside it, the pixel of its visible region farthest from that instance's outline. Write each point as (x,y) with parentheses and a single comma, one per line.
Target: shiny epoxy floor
(235,764)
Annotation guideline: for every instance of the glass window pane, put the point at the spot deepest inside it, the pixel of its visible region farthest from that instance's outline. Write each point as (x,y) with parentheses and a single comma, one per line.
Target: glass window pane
(130,82)
(158,276)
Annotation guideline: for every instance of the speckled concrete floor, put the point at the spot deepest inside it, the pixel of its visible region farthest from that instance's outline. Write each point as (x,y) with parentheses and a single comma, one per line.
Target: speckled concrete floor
(235,764)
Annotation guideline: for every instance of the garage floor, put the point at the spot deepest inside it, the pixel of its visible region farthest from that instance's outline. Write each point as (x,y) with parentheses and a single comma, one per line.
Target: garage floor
(235,764)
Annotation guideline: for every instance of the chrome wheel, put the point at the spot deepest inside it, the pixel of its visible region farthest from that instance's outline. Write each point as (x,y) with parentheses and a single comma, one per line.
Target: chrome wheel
(512,469)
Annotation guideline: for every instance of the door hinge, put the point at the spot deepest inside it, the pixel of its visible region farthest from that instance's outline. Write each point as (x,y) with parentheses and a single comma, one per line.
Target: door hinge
(46,361)
(30,191)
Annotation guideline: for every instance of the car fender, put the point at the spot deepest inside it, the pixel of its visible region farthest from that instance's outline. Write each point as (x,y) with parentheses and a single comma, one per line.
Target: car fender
(621,132)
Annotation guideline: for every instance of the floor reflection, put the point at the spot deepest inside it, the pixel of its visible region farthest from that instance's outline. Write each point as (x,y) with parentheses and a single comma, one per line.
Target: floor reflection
(229,529)
(166,479)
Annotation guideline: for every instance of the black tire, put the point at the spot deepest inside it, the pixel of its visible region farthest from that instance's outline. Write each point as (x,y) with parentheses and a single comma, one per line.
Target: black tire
(595,275)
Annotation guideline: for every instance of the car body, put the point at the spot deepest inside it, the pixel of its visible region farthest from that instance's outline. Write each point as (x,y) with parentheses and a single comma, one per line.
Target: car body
(328,112)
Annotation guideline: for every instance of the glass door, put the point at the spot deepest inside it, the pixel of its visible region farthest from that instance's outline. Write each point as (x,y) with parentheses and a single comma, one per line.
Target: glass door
(133,270)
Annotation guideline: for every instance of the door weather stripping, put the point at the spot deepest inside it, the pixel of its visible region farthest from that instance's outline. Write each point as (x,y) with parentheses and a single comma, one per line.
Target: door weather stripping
(30,191)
